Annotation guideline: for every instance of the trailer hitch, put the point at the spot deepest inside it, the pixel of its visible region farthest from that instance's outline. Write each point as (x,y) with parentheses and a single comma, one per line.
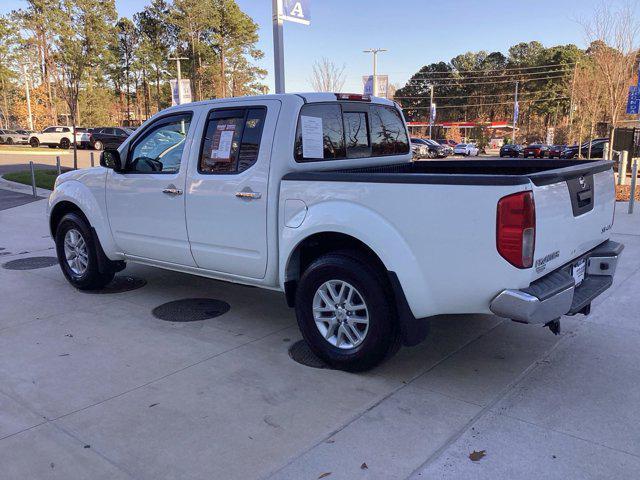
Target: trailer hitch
(554,326)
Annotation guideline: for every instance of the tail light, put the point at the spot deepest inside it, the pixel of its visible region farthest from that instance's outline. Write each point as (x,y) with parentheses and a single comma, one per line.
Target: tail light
(353,96)
(516,229)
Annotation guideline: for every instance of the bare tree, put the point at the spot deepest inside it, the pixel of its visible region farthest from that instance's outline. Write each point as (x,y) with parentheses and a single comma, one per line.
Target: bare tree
(613,37)
(327,76)
(590,98)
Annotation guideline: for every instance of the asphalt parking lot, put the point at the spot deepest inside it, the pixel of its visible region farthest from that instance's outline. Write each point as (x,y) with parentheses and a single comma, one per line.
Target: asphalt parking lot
(93,385)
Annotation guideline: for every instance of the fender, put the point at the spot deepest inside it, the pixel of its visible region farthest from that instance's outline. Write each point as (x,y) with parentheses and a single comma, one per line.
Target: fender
(373,230)
(88,196)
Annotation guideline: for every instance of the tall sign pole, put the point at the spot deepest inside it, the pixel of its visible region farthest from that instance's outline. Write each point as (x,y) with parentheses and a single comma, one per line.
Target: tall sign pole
(432,112)
(278,46)
(374,79)
(516,112)
(297,11)
(179,76)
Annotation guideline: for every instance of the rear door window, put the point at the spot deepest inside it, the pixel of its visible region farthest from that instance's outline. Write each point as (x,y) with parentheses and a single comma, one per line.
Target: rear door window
(231,140)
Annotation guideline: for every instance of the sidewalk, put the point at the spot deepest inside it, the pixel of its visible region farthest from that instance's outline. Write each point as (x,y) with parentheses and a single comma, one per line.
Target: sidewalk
(94,386)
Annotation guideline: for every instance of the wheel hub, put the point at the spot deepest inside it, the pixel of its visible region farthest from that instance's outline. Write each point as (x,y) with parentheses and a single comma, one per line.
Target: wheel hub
(341,314)
(75,252)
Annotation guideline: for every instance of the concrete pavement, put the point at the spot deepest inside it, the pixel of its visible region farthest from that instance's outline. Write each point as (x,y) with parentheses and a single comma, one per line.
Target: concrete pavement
(94,386)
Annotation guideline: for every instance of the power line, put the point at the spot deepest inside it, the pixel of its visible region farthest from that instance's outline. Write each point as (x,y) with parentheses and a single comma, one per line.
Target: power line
(495,81)
(496,75)
(509,94)
(490,104)
(509,68)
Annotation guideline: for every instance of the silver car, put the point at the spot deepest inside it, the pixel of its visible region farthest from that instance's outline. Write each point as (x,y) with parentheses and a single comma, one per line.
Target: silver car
(11,137)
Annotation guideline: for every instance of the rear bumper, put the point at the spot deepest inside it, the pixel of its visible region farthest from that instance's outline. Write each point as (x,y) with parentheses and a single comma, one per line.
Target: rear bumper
(556,294)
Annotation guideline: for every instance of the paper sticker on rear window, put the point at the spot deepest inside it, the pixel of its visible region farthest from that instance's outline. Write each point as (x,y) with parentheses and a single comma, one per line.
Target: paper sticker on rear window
(311,128)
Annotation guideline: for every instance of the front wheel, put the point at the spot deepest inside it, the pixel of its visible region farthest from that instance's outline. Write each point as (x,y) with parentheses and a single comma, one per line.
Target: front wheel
(98,145)
(65,143)
(345,312)
(78,254)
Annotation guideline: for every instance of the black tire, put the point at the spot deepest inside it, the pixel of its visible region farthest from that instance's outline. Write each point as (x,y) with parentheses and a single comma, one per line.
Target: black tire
(98,145)
(34,142)
(9,141)
(92,278)
(65,143)
(382,337)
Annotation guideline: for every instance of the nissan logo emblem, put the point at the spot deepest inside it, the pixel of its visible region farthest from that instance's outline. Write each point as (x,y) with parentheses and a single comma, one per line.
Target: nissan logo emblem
(583,184)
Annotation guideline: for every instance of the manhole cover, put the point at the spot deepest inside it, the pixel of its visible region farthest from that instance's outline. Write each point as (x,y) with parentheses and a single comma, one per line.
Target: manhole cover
(120,284)
(301,353)
(191,310)
(30,263)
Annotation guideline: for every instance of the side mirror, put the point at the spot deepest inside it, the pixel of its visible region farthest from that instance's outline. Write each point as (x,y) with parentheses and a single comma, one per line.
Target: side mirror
(111,159)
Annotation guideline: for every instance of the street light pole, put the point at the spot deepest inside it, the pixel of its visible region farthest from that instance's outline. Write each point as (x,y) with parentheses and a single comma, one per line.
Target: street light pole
(26,87)
(375,52)
(516,112)
(278,46)
(177,59)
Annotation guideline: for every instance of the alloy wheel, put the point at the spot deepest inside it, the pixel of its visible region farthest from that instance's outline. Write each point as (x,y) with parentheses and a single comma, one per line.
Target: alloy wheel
(76,252)
(341,314)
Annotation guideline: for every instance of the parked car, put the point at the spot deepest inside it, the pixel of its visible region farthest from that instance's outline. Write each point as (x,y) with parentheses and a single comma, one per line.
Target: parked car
(555,151)
(466,149)
(426,148)
(444,141)
(597,149)
(24,132)
(56,136)
(444,150)
(345,229)
(11,137)
(535,150)
(108,137)
(512,150)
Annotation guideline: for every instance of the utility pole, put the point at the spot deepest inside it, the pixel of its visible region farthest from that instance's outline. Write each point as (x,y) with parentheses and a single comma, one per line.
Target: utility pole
(177,59)
(26,87)
(375,52)
(278,45)
(573,82)
(516,112)
(430,110)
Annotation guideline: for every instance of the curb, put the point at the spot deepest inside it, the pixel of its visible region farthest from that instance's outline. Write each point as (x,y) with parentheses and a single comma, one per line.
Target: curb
(22,188)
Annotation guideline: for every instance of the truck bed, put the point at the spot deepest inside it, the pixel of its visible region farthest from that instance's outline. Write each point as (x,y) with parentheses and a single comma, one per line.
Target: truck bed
(464,172)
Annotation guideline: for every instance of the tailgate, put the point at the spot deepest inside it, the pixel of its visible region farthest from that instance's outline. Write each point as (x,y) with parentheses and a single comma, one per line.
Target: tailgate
(574,212)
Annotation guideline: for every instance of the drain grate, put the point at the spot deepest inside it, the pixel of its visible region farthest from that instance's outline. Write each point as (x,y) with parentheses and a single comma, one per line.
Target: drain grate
(301,353)
(30,263)
(191,310)
(120,284)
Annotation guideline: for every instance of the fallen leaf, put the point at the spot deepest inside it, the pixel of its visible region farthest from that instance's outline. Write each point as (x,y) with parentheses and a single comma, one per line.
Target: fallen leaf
(330,441)
(475,456)
(325,474)
(64,354)
(87,446)
(364,466)
(153,405)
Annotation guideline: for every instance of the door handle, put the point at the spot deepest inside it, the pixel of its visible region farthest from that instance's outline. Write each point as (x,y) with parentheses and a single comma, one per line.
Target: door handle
(172,191)
(249,195)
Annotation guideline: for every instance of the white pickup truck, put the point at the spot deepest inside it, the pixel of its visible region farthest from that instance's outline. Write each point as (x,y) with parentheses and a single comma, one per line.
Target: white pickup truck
(315,195)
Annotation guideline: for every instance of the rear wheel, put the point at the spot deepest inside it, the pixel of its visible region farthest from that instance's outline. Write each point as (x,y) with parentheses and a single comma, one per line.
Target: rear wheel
(78,254)
(64,143)
(34,142)
(9,141)
(97,145)
(345,312)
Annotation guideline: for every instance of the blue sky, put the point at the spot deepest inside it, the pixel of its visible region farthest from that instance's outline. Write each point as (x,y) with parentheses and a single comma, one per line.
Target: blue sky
(416,32)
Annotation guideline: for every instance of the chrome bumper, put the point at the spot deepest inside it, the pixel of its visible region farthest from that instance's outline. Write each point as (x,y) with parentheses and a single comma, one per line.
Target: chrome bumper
(556,294)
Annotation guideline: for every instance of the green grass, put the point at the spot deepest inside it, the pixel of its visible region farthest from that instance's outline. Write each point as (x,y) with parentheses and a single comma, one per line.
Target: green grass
(44,178)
